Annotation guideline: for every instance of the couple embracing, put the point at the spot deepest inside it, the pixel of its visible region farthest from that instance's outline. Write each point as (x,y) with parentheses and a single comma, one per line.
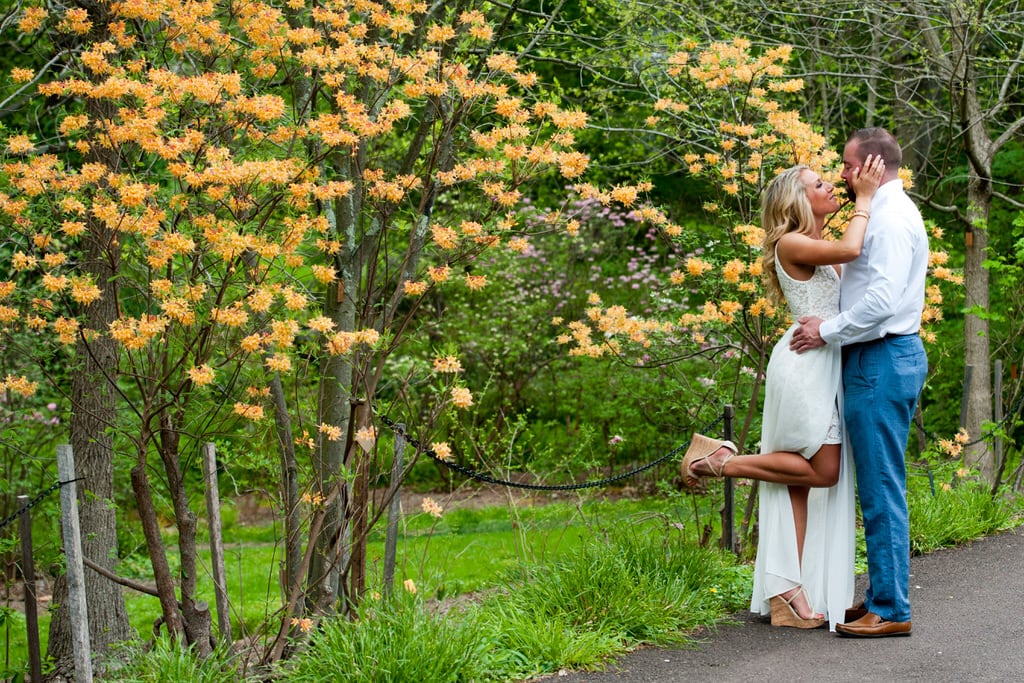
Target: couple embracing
(841,388)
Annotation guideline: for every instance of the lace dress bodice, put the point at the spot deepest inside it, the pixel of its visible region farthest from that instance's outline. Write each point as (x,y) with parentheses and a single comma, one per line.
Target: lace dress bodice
(817,296)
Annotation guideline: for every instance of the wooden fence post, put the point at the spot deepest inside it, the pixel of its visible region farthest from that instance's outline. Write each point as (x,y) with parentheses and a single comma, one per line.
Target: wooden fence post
(75,568)
(394,510)
(359,506)
(216,542)
(28,574)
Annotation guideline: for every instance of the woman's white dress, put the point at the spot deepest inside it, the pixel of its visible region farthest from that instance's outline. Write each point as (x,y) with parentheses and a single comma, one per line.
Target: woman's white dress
(803,393)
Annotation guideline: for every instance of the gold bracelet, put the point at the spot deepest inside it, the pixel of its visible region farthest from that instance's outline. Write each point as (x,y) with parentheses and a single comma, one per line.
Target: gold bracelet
(863,214)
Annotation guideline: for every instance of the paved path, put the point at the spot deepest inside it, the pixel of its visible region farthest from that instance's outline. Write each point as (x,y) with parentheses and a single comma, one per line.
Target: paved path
(968,626)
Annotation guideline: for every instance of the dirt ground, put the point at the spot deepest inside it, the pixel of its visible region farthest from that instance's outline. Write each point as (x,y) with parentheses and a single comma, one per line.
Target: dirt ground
(474,497)
(253,510)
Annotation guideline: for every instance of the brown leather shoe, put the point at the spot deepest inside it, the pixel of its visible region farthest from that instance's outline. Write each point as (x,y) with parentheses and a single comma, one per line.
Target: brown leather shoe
(856,612)
(873,626)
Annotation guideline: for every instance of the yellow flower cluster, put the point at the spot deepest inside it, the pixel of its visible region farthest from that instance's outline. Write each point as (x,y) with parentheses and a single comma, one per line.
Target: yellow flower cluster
(202,375)
(475,282)
(447,364)
(136,333)
(330,432)
(32,19)
(431,507)
(462,397)
(249,411)
(20,385)
(723,313)
(723,64)
(442,450)
(954,447)
(414,288)
(697,266)
(304,624)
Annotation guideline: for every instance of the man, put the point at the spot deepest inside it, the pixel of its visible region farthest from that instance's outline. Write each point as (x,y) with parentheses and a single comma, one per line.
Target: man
(884,368)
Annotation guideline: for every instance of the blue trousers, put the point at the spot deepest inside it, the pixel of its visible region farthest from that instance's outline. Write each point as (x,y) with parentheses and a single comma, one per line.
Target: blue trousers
(882,381)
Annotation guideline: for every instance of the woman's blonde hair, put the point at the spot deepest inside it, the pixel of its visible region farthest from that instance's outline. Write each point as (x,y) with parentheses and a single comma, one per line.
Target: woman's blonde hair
(784,208)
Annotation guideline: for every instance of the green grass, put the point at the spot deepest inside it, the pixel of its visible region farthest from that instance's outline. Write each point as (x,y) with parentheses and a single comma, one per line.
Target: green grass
(639,583)
(561,585)
(464,552)
(952,516)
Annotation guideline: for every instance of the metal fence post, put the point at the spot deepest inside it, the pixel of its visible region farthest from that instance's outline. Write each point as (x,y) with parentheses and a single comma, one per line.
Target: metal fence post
(968,375)
(28,574)
(997,416)
(728,505)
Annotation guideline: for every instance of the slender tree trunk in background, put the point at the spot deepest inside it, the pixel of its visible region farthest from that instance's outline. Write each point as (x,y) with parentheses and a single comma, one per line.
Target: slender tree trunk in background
(154,542)
(289,487)
(196,616)
(977,347)
(358,511)
(980,151)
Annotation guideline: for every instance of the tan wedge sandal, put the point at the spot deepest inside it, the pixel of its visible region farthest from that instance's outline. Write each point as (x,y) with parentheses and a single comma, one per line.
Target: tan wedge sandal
(783,613)
(701,448)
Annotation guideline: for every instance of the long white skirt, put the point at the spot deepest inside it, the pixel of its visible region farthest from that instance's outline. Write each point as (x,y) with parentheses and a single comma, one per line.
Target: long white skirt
(801,392)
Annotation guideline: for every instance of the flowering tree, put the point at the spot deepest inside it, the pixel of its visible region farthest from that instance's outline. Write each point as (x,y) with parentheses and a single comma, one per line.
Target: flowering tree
(944,77)
(721,116)
(236,192)
(721,109)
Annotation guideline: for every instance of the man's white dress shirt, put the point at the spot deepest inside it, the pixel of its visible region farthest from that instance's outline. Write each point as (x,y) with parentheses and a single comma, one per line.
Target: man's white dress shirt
(882,291)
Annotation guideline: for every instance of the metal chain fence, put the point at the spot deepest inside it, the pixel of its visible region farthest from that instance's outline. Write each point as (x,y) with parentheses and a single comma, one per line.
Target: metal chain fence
(10,519)
(489,479)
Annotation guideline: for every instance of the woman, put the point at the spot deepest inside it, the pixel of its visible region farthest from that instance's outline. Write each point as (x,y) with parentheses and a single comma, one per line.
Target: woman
(805,554)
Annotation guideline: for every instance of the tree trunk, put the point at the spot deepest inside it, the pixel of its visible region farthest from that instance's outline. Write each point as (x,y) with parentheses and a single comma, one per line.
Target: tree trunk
(976,333)
(155,546)
(980,151)
(195,614)
(325,570)
(289,488)
(93,399)
(359,508)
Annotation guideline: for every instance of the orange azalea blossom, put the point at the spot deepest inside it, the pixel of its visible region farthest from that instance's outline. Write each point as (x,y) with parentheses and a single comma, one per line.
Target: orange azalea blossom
(414,288)
(304,624)
(249,411)
(447,364)
(439,273)
(430,506)
(697,266)
(202,375)
(19,385)
(330,432)
(461,397)
(8,314)
(475,282)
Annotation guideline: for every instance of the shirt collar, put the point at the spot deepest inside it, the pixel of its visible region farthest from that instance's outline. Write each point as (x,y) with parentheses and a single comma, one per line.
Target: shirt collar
(886,189)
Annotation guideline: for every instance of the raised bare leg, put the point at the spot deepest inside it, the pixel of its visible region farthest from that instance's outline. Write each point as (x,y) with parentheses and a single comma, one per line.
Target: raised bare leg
(779,467)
